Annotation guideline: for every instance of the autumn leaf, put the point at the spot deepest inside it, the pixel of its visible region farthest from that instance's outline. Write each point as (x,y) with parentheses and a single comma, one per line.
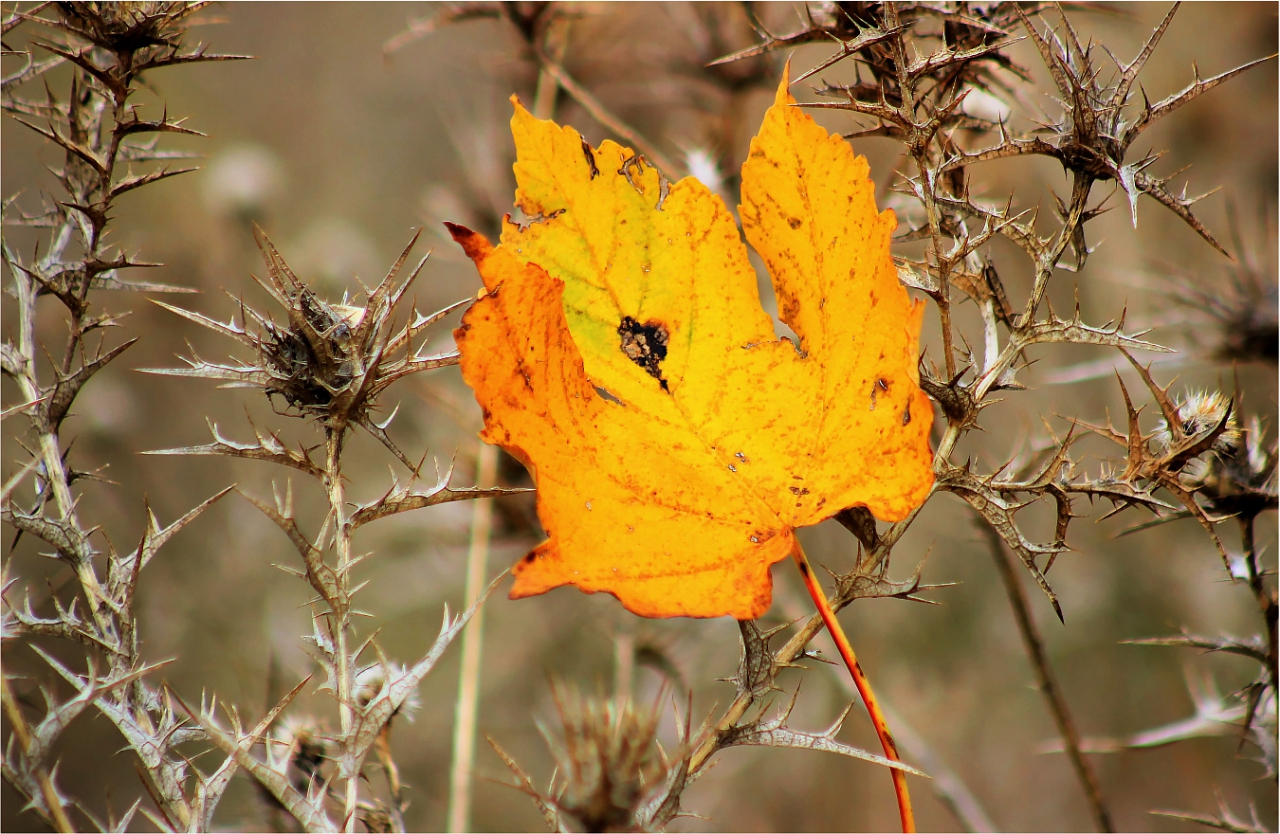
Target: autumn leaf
(621,352)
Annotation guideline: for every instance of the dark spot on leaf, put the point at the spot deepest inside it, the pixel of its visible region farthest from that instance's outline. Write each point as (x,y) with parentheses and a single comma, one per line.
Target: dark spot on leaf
(530,557)
(645,345)
(793,222)
(631,166)
(591,158)
(906,414)
(880,385)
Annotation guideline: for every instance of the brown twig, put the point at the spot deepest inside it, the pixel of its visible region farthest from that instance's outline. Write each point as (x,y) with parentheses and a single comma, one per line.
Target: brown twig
(1044,677)
(789,652)
(1267,603)
(601,114)
(467,706)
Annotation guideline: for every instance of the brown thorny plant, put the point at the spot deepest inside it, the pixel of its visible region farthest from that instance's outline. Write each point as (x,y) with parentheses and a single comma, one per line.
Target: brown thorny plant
(325,363)
(938,79)
(920,68)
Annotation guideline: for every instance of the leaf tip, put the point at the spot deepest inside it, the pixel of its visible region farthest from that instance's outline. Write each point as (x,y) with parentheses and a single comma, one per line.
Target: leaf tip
(783,96)
(474,244)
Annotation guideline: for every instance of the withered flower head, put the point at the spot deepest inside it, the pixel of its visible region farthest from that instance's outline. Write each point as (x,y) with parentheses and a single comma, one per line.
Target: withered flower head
(371,680)
(325,362)
(1200,412)
(610,762)
(300,743)
(128,26)
(1238,300)
(1241,480)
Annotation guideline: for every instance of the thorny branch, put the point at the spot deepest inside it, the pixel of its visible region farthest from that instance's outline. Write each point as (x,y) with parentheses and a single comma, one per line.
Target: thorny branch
(918,100)
(918,70)
(102,136)
(328,363)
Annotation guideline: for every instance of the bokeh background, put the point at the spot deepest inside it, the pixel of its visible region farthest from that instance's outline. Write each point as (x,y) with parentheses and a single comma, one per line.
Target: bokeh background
(340,153)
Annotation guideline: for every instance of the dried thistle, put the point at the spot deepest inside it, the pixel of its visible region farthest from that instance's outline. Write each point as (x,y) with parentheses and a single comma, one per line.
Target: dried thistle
(612,773)
(943,68)
(301,744)
(326,362)
(1093,135)
(100,135)
(609,761)
(1238,300)
(936,77)
(1239,480)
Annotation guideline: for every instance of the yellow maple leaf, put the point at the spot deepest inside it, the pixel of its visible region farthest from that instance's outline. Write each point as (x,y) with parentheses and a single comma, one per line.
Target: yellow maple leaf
(622,354)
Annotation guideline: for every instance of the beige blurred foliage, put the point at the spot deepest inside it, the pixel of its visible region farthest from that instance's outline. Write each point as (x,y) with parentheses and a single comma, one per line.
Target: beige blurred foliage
(339,154)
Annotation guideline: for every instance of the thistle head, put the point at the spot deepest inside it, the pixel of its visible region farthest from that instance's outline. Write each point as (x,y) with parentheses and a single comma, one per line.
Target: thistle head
(301,747)
(609,761)
(325,361)
(124,27)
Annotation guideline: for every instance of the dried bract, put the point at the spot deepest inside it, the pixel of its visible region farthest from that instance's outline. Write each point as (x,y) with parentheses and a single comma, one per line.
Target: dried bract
(609,762)
(326,362)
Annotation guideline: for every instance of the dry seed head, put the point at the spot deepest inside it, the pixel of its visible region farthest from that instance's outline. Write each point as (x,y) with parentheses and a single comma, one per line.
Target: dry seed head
(377,819)
(609,761)
(1200,412)
(314,361)
(327,362)
(128,26)
(1242,480)
(300,741)
(373,679)
(1239,300)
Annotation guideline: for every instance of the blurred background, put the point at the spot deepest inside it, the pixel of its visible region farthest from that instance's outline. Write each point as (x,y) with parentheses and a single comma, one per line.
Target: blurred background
(340,153)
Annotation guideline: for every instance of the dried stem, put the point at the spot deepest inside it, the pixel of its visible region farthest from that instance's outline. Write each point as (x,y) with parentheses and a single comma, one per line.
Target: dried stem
(94,125)
(1045,678)
(792,650)
(339,621)
(1266,599)
(467,706)
(395,788)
